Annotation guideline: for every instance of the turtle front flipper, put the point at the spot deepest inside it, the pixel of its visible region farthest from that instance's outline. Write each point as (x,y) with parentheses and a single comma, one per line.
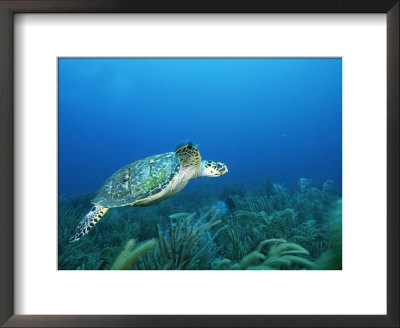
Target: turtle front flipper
(88,222)
(189,155)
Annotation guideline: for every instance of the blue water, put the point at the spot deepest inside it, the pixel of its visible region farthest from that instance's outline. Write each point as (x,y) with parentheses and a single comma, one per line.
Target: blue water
(276,118)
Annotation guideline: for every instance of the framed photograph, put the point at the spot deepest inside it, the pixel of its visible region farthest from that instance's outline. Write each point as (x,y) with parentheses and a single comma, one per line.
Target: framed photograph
(238,223)
(199,164)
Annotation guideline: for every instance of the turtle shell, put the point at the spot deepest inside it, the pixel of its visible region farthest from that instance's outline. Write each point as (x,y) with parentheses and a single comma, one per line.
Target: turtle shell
(138,180)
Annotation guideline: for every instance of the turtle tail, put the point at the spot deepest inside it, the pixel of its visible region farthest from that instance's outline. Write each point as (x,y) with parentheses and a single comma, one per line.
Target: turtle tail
(88,222)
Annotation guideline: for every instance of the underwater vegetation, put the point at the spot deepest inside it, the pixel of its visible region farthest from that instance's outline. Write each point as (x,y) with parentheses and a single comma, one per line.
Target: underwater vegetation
(232,227)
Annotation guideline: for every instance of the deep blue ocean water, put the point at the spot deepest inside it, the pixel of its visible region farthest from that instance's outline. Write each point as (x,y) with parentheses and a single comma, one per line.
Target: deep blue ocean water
(276,118)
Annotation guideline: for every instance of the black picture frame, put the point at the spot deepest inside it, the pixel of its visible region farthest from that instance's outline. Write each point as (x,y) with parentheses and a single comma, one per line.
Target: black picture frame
(7,11)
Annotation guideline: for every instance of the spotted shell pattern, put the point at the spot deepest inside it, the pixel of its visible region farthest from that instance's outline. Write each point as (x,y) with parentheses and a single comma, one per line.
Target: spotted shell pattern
(138,180)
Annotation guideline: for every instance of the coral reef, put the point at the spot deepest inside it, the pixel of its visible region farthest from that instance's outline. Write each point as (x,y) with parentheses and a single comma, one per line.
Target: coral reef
(234,227)
(184,245)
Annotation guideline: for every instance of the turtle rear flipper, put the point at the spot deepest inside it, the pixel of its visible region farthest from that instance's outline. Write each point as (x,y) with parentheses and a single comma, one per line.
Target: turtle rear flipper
(88,222)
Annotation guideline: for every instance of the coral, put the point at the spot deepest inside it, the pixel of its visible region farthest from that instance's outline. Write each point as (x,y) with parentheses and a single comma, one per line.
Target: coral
(260,200)
(318,247)
(284,255)
(250,259)
(280,255)
(222,264)
(258,203)
(239,247)
(311,235)
(332,258)
(277,225)
(183,244)
(247,215)
(280,198)
(327,187)
(312,203)
(128,257)
(268,186)
(304,184)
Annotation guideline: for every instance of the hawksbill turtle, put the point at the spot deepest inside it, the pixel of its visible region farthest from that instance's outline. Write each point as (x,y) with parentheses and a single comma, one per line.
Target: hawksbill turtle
(149,181)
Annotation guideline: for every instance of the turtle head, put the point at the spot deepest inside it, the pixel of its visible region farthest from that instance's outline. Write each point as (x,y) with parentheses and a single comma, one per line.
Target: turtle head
(212,169)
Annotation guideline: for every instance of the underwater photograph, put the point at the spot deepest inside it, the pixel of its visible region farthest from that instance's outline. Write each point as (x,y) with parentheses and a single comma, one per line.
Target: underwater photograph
(199,164)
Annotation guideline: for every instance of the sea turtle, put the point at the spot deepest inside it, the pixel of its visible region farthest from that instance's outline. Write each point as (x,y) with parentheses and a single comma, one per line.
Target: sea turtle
(149,181)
